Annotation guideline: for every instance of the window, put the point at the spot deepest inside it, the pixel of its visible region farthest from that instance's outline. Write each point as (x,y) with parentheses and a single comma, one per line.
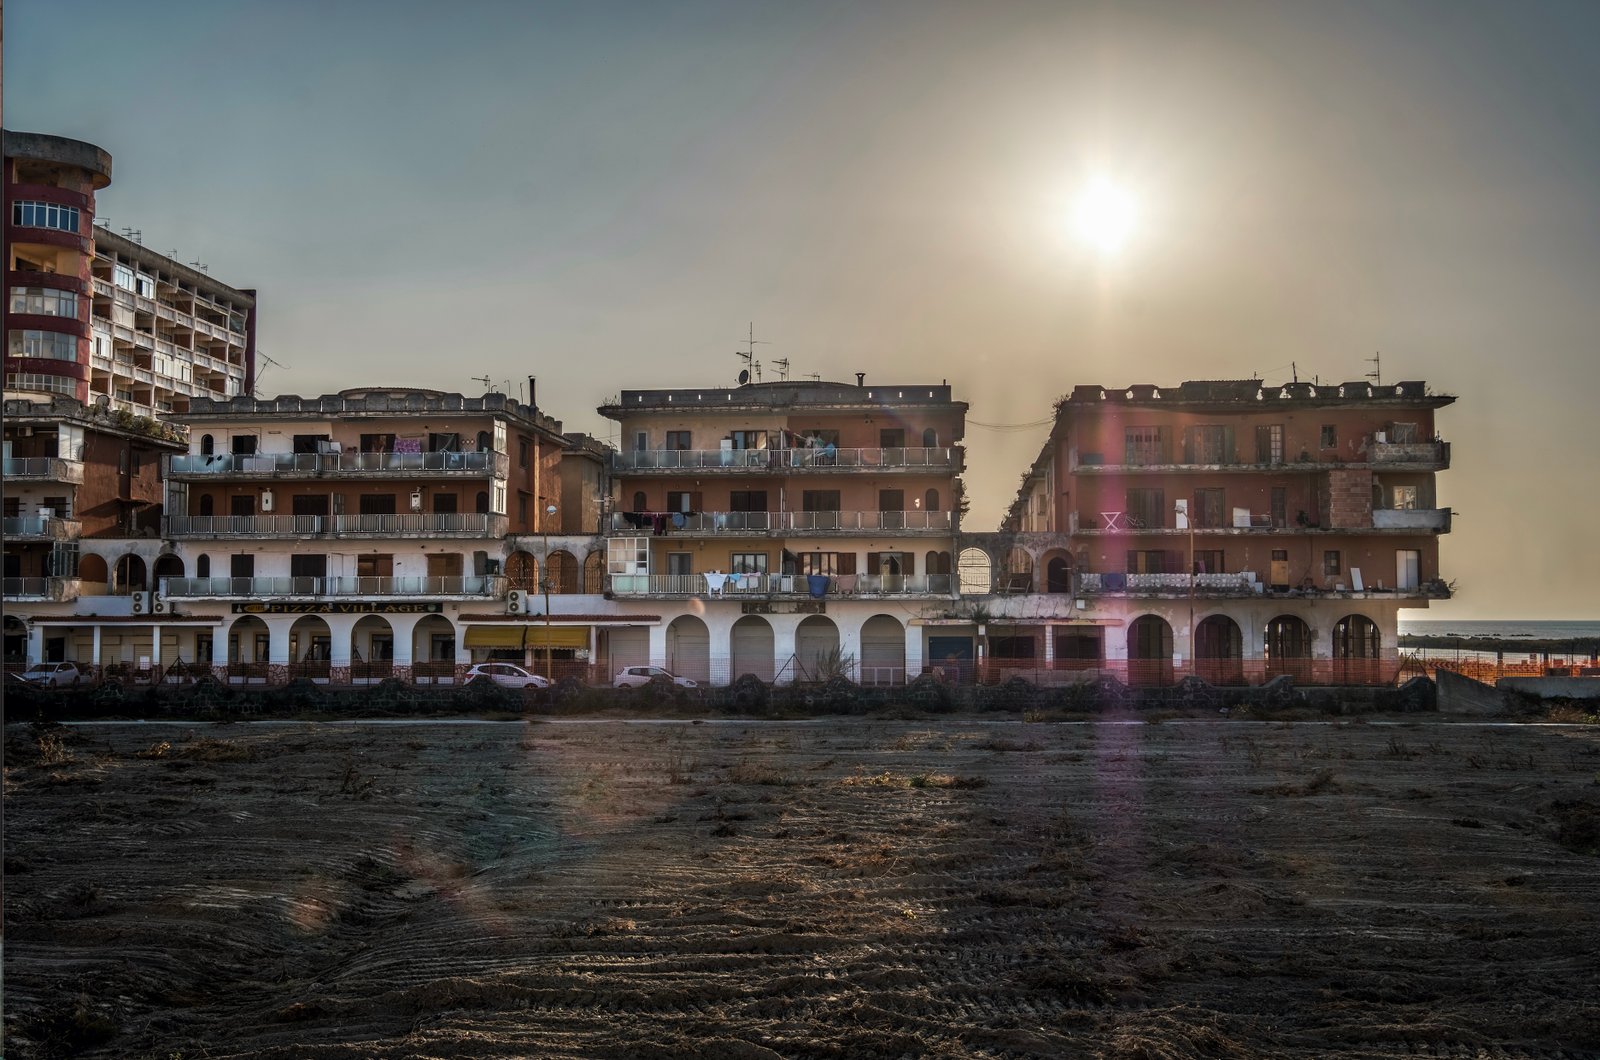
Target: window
(1209,444)
(747,501)
(827,563)
(628,555)
(749,439)
(1330,436)
(1209,512)
(376,504)
(444,442)
(1143,446)
(1209,561)
(1280,507)
(53,384)
(302,565)
(641,441)
(683,501)
(499,498)
(819,501)
(1403,433)
(1403,498)
(678,439)
(377,443)
(680,562)
(445,565)
(930,439)
(45,301)
(522,508)
(308,443)
(309,504)
(444,503)
(45,215)
(244,444)
(640,502)
(122,276)
(892,438)
(1269,444)
(46,345)
(1330,561)
(891,563)
(242,565)
(523,456)
(378,565)
(242,504)
(930,501)
(891,500)
(1146,509)
(1147,561)
(202,566)
(749,563)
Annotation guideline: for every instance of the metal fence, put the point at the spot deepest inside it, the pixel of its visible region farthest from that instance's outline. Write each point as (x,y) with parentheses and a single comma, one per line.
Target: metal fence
(419,585)
(480,462)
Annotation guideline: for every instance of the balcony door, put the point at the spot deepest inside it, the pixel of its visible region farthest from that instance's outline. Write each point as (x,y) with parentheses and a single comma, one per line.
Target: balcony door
(1408,568)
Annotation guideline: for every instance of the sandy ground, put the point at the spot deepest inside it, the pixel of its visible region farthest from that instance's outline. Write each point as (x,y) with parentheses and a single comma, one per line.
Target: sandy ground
(844,888)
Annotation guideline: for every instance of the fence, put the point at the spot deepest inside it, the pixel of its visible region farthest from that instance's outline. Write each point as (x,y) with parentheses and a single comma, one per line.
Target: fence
(416,585)
(1155,673)
(476,463)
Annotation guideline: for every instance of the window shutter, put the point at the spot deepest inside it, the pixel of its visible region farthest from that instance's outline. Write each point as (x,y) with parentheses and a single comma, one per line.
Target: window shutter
(1164,444)
(1230,455)
(1188,445)
(696,502)
(847,563)
(1177,561)
(1158,518)
(874,562)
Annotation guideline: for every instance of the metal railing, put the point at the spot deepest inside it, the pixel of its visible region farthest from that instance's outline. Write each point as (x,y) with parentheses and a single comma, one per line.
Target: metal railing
(471,524)
(1156,673)
(49,468)
(1411,519)
(475,463)
(817,522)
(763,522)
(21,526)
(41,588)
(418,585)
(940,457)
(1431,454)
(751,585)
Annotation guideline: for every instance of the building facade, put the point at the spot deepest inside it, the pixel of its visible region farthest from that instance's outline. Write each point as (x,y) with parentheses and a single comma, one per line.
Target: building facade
(787,530)
(1229,529)
(98,317)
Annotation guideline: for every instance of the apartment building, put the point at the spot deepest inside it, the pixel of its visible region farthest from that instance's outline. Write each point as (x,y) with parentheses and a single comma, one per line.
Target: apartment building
(82,511)
(787,530)
(1230,529)
(97,316)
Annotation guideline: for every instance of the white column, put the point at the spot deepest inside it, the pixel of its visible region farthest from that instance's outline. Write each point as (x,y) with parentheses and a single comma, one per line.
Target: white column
(405,635)
(36,644)
(658,642)
(783,647)
(277,642)
(94,651)
(913,652)
(155,648)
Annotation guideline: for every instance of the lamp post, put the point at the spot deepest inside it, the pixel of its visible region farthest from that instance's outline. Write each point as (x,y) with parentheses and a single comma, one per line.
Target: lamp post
(549,512)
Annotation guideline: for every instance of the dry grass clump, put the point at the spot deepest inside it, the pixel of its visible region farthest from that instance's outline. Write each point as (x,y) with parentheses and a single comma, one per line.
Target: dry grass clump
(1322,781)
(888,779)
(209,750)
(745,773)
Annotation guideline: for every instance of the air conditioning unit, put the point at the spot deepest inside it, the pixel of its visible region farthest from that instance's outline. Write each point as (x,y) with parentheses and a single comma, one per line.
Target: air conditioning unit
(141,603)
(517,602)
(159,605)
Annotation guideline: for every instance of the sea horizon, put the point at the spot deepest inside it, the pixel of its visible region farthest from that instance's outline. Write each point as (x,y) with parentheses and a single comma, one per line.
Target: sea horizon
(1533,629)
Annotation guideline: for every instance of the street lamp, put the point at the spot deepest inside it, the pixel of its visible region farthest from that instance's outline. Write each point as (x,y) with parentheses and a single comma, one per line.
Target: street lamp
(549,512)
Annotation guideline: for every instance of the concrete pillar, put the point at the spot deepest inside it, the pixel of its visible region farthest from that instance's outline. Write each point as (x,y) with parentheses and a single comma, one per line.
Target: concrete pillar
(783,647)
(36,644)
(658,644)
(94,650)
(913,652)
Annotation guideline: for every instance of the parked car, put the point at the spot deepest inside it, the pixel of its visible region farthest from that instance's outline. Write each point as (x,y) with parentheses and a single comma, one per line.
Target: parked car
(507,675)
(634,676)
(54,675)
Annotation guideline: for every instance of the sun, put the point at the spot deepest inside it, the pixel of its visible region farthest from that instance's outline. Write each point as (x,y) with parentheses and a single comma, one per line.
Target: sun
(1105,216)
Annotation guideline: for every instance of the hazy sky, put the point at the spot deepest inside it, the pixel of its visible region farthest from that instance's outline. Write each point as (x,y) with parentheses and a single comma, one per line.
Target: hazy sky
(604,195)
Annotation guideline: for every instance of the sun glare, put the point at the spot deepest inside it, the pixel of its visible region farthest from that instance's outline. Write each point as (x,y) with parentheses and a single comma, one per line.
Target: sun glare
(1104,216)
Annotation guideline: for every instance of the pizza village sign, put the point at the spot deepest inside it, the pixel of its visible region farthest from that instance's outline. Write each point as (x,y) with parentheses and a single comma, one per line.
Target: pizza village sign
(341,607)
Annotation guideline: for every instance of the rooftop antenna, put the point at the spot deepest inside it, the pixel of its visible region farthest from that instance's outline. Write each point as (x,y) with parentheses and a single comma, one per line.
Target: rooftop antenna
(815,377)
(1376,375)
(783,369)
(752,366)
(270,363)
(1294,371)
(201,266)
(135,234)
(488,383)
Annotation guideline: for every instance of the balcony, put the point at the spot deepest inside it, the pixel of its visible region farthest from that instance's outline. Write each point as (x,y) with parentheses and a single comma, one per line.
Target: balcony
(1410,456)
(1436,520)
(484,586)
(312,465)
(734,523)
(43,589)
(44,469)
(471,524)
(783,461)
(748,586)
(41,528)
(1245,583)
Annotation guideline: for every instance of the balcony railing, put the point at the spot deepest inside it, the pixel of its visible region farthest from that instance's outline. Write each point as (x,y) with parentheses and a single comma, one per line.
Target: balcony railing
(783,460)
(757,585)
(419,585)
(46,468)
(41,588)
(38,527)
(659,523)
(465,524)
(1431,455)
(1240,584)
(374,464)
(1411,519)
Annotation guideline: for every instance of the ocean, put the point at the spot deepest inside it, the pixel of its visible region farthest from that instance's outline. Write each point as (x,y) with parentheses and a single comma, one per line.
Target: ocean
(1547,630)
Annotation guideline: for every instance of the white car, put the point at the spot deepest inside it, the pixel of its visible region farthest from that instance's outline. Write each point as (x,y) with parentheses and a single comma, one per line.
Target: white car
(507,675)
(54,675)
(634,676)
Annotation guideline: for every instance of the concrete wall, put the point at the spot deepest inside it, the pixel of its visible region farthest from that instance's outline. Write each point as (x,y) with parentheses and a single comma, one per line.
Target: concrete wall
(1552,687)
(1463,695)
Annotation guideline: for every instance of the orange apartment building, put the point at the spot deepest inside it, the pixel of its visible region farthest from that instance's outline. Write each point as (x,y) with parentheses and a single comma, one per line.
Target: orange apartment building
(784,529)
(1231,529)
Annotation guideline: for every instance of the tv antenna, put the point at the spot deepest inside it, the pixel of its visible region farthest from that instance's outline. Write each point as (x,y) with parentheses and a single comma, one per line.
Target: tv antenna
(270,363)
(752,367)
(782,365)
(1376,360)
(488,383)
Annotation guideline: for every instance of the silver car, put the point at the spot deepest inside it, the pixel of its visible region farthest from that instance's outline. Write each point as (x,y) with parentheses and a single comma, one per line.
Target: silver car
(55,675)
(507,675)
(635,676)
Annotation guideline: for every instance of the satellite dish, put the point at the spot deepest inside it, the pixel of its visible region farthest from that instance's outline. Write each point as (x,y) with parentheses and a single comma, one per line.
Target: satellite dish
(744,376)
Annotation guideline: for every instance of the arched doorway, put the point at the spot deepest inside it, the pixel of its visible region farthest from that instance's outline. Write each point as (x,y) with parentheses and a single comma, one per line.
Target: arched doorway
(433,650)
(1149,652)
(202,566)
(976,572)
(930,500)
(640,502)
(167,565)
(883,651)
(129,576)
(371,649)
(1357,644)
(816,649)
(689,648)
(1058,573)
(208,445)
(751,645)
(1287,645)
(310,648)
(1019,571)
(93,575)
(522,572)
(1219,651)
(594,574)
(937,566)
(563,572)
(249,648)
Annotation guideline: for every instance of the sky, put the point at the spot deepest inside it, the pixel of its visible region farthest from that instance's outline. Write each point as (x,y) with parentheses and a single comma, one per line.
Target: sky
(607,195)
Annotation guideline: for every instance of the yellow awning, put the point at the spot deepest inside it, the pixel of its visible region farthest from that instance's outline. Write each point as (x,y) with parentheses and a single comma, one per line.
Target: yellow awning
(532,636)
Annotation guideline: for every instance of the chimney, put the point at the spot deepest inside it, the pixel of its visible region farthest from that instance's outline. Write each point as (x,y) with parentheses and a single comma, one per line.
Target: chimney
(533,383)
(861,379)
